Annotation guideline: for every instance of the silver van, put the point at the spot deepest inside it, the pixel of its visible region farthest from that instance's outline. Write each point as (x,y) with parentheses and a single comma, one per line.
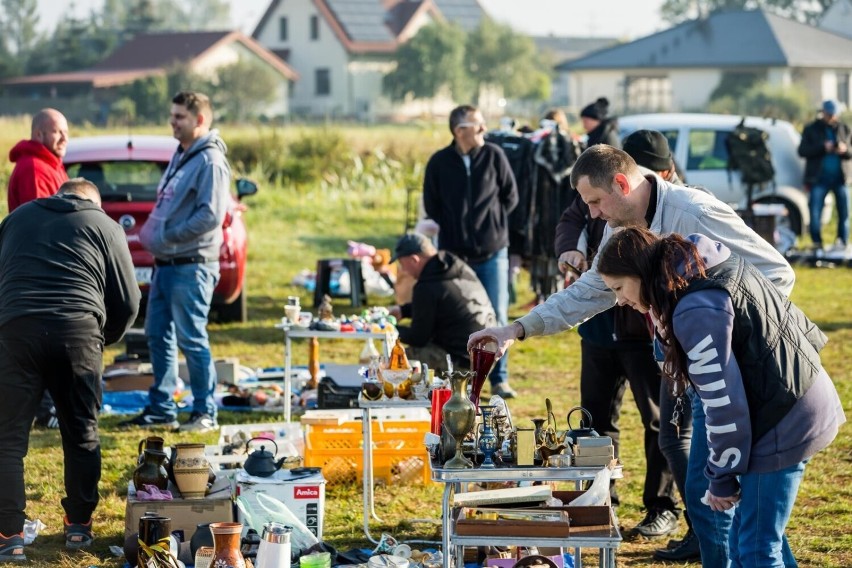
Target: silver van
(698,145)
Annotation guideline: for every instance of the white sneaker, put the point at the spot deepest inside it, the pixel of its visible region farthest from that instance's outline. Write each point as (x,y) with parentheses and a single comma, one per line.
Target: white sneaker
(199,422)
(839,246)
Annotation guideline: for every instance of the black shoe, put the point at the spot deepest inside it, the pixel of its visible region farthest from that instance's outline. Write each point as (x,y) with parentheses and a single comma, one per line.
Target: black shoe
(150,420)
(687,550)
(47,419)
(658,522)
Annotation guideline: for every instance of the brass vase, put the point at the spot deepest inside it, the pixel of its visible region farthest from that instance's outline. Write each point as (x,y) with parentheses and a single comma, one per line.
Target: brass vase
(459,416)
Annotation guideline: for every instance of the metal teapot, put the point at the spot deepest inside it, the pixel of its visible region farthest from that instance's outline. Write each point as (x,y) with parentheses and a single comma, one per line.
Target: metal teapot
(585,428)
(260,462)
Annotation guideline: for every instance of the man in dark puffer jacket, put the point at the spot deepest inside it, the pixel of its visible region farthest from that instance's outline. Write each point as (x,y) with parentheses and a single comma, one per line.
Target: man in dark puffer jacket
(448,304)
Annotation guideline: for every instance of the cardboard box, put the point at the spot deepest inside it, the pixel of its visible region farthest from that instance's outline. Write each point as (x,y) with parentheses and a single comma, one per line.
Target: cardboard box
(303,495)
(186,514)
(557,559)
(587,521)
(226,370)
(513,528)
(588,518)
(128,376)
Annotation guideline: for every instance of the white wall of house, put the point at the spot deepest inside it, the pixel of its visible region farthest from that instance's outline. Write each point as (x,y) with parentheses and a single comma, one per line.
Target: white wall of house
(233,52)
(365,77)
(780,76)
(307,56)
(828,85)
(586,86)
(691,88)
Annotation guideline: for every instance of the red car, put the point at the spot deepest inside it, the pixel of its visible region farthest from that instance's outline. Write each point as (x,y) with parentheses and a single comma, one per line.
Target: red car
(127,170)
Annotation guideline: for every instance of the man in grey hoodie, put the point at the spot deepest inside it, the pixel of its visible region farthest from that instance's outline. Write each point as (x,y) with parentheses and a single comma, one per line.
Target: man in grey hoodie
(184,233)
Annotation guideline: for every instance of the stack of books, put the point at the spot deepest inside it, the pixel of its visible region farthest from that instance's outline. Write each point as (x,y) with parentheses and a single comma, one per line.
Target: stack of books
(593,451)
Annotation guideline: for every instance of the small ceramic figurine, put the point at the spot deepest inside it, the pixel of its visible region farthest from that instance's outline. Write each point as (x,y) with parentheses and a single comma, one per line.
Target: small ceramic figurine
(325,311)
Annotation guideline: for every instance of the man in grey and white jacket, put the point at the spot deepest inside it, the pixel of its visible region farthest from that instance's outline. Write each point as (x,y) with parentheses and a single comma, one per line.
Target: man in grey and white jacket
(184,233)
(616,190)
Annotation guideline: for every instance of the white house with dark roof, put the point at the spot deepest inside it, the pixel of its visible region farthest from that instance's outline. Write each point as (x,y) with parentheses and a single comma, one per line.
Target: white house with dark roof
(148,55)
(678,69)
(343,48)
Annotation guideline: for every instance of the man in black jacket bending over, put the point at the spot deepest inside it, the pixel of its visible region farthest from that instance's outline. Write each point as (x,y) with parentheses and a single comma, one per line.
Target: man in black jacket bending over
(67,288)
(448,304)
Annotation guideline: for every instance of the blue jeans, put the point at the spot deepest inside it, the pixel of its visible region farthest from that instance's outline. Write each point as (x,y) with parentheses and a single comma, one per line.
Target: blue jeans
(494,275)
(757,533)
(714,528)
(816,201)
(178,306)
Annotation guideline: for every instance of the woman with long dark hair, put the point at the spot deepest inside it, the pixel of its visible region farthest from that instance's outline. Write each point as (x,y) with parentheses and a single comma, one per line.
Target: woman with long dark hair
(753,359)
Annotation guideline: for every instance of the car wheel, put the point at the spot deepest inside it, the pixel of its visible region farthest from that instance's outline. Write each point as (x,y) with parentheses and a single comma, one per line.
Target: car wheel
(236,311)
(787,227)
(793,219)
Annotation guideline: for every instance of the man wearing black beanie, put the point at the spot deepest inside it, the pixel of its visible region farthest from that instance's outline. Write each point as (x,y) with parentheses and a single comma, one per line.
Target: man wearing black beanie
(599,126)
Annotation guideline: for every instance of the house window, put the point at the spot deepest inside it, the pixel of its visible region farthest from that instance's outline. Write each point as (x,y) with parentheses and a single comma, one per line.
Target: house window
(323,82)
(843,89)
(647,94)
(314,27)
(282,29)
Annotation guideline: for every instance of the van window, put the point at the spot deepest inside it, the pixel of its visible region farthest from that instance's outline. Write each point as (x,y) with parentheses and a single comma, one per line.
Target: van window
(707,150)
(671,136)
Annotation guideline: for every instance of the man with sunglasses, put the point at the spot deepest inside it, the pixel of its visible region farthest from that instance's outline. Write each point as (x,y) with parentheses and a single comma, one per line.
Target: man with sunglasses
(469,190)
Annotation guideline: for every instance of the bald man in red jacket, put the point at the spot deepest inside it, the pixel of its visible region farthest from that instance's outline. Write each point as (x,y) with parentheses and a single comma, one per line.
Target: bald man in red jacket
(38,161)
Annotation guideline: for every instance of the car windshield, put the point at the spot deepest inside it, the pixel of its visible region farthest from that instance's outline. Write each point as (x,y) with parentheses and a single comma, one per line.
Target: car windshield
(122,180)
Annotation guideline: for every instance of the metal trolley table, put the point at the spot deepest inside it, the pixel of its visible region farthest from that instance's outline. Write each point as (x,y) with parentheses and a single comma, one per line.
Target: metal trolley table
(386,338)
(366,428)
(607,541)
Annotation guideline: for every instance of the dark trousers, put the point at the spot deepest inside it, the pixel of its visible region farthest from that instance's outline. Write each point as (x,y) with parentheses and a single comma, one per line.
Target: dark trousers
(673,443)
(65,358)
(604,375)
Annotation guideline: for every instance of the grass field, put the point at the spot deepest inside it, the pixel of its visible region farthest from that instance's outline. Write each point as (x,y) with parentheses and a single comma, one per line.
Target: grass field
(290,227)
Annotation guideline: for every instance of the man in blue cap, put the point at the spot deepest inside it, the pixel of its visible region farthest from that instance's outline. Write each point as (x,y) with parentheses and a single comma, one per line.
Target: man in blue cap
(827,147)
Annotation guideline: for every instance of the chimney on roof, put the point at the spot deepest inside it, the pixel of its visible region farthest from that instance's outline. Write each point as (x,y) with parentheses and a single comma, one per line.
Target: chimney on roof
(388,4)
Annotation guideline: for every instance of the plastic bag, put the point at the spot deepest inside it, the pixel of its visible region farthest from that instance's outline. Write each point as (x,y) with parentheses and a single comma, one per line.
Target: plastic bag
(597,493)
(271,509)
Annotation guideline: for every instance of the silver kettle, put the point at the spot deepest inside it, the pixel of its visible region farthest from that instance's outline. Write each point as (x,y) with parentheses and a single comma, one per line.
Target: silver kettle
(274,549)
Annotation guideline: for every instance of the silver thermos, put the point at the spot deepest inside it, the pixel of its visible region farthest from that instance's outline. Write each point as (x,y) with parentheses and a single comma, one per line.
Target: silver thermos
(274,549)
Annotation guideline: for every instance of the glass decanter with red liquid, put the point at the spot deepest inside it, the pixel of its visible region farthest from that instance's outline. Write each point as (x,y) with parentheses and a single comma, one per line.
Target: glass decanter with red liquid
(482,360)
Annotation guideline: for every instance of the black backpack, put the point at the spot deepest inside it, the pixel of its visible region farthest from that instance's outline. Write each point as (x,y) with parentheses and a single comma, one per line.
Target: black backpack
(748,153)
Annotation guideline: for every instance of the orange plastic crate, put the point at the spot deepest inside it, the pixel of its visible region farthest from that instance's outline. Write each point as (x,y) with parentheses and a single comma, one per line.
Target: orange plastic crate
(399,455)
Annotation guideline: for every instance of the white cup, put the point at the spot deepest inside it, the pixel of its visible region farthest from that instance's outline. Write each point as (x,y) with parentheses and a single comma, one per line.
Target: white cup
(292,313)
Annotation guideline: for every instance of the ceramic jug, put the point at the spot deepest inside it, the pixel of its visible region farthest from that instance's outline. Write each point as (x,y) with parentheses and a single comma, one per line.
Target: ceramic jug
(226,545)
(191,470)
(151,443)
(151,471)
